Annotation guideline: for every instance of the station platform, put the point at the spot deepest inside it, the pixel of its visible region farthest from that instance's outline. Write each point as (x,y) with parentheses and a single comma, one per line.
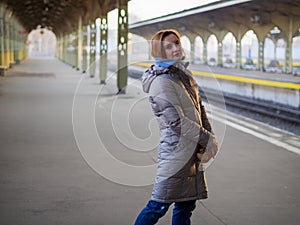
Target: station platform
(275,88)
(234,74)
(53,171)
(281,77)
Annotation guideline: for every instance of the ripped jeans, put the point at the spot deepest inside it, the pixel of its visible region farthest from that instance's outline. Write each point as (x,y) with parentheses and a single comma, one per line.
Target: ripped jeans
(153,211)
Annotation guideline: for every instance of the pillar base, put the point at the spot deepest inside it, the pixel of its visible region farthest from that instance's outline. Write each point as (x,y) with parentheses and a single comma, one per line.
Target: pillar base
(2,71)
(121,91)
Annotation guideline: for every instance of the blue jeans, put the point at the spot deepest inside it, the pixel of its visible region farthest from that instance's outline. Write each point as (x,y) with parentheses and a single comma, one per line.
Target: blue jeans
(153,211)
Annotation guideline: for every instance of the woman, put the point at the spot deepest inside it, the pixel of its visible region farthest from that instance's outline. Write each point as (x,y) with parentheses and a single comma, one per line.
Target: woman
(186,136)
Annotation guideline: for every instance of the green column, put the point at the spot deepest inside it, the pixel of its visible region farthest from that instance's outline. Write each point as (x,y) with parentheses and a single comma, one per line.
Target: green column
(58,43)
(69,49)
(275,49)
(24,51)
(288,49)
(2,60)
(84,49)
(60,52)
(288,57)
(238,54)
(122,75)
(79,44)
(16,43)
(75,49)
(22,44)
(62,49)
(6,43)
(65,50)
(149,51)
(261,60)
(11,42)
(220,54)
(205,51)
(65,45)
(72,49)
(103,49)
(2,55)
(92,49)
(192,53)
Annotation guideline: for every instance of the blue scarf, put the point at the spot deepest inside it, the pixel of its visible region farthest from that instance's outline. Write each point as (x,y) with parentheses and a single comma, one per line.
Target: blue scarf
(164,62)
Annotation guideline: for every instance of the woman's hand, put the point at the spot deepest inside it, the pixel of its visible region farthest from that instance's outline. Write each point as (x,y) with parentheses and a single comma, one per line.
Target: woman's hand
(206,155)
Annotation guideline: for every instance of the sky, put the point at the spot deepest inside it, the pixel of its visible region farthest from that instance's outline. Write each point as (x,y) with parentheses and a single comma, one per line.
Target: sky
(147,9)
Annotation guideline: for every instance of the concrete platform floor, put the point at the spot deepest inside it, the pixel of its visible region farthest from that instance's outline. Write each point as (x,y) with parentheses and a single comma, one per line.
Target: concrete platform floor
(47,178)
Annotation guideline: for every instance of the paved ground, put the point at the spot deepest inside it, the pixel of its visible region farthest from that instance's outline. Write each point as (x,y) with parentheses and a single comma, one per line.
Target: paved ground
(50,172)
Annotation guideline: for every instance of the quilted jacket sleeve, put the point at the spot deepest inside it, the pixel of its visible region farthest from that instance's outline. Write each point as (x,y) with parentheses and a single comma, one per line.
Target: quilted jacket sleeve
(165,97)
(205,122)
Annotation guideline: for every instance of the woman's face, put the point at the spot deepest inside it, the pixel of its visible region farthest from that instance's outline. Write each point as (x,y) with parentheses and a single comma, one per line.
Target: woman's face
(172,47)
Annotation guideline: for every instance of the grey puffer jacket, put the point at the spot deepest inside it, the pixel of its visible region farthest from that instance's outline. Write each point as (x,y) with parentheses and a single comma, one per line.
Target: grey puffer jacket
(184,129)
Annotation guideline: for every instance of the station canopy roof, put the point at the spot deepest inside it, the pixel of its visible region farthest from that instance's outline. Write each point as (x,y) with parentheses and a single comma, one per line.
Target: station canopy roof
(60,16)
(225,15)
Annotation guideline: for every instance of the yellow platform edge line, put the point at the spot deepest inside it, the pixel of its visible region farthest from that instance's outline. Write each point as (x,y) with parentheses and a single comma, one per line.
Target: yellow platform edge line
(268,83)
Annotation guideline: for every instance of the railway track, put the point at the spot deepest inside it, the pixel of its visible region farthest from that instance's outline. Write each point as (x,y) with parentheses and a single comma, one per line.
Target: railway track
(268,109)
(264,108)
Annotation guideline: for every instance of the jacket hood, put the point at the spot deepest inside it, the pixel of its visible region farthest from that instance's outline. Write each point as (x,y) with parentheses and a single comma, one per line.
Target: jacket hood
(150,74)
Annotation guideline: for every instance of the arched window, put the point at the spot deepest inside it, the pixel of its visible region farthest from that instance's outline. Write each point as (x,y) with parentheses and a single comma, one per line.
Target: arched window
(186,44)
(296,53)
(229,46)
(249,47)
(274,51)
(198,52)
(212,48)
(249,51)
